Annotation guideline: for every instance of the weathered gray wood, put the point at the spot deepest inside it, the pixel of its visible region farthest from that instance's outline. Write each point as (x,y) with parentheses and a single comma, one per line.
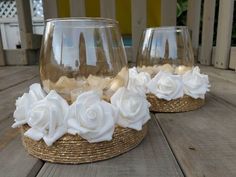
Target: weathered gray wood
(77,8)
(223,83)
(108,8)
(50,9)
(207,32)
(14,78)
(139,22)
(16,57)
(232,60)
(220,74)
(224,31)
(21,56)
(2,56)
(203,141)
(168,12)
(193,22)
(7,133)
(8,97)
(151,158)
(16,161)
(25,22)
(9,70)
(7,107)
(232,57)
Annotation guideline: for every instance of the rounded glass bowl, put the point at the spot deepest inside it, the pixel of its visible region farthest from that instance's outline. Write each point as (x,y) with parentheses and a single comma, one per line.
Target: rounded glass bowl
(82,54)
(165,45)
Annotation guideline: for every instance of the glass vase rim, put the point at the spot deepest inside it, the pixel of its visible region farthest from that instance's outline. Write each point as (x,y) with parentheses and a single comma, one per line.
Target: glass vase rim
(109,21)
(167,28)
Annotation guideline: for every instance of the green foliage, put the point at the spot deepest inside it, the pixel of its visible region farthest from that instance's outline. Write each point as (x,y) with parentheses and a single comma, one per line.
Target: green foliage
(182,7)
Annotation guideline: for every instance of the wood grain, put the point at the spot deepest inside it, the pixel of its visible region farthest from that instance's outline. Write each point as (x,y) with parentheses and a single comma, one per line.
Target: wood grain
(2,56)
(7,107)
(193,22)
(14,77)
(17,162)
(8,97)
(224,33)
(16,81)
(223,83)
(151,158)
(15,57)
(108,9)
(139,22)
(232,61)
(203,141)
(207,32)
(25,23)
(168,12)
(50,9)
(77,8)
(8,70)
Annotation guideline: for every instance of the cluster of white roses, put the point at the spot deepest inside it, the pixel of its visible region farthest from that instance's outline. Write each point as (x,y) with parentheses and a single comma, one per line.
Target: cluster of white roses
(168,86)
(50,116)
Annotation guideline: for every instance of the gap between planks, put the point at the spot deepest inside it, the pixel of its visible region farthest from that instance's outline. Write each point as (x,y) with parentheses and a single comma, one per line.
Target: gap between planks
(16,160)
(163,133)
(151,158)
(203,141)
(223,83)
(15,75)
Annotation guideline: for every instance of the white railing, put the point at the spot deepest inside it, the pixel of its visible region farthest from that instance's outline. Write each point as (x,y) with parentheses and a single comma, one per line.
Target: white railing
(222,57)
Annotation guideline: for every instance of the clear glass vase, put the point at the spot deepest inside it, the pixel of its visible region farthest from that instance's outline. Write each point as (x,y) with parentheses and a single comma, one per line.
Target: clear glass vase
(82,54)
(170,46)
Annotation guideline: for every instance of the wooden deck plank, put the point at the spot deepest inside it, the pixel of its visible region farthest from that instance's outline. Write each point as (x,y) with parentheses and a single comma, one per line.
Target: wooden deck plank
(139,23)
(204,140)
(224,34)
(108,9)
(77,8)
(207,32)
(9,79)
(151,158)
(193,23)
(7,100)
(7,70)
(168,12)
(7,107)
(223,83)
(8,97)
(17,162)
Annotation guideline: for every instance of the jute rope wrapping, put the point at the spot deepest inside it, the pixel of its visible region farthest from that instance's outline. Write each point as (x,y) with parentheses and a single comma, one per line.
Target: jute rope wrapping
(73,149)
(184,104)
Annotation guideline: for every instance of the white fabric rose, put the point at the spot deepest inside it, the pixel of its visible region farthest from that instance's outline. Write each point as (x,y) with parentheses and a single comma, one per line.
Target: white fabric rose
(37,92)
(166,86)
(47,119)
(195,84)
(92,118)
(24,103)
(133,108)
(137,81)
